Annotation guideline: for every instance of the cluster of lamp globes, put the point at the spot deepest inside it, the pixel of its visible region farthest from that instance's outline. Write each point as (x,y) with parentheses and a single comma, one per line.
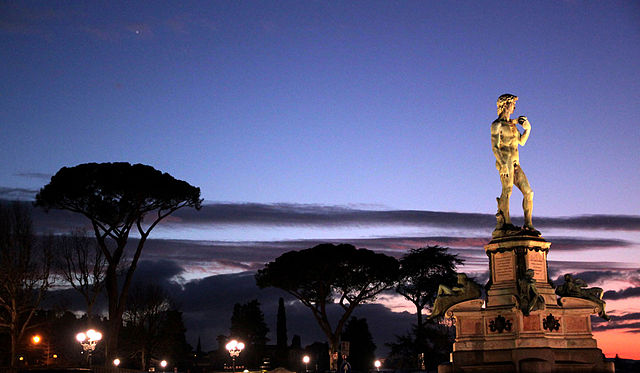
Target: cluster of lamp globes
(89,339)
(234,347)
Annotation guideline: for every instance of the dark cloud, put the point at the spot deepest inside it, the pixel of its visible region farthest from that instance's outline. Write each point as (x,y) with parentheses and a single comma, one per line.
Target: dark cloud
(164,273)
(626,316)
(572,244)
(35,175)
(161,272)
(294,215)
(210,256)
(628,321)
(599,276)
(67,298)
(630,292)
(593,222)
(17,194)
(320,215)
(255,253)
(558,268)
(208,304)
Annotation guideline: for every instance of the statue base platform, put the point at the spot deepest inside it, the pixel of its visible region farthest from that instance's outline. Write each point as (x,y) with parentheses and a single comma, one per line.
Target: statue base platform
(503,339)
(529,360)
(497,336)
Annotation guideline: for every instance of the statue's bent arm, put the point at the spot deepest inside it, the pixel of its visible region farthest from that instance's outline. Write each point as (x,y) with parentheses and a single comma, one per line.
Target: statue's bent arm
(525,135)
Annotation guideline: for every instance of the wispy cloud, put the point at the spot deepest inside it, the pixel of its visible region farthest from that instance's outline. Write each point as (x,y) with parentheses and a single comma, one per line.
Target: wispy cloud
(300,215)
(591,277)
(18,194)
(224,256)
(629,321)
(622,294)
(323,215)
(34,175)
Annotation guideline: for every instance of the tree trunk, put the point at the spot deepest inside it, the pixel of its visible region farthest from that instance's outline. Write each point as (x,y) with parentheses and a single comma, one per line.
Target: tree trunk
(334,347)
(89,315)
(114,322)
(14,344)
(420,343)
(13,330)
(143,360)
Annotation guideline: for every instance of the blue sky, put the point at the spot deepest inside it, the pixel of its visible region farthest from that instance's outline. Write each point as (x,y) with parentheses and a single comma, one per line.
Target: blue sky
(313,108)
(383,103)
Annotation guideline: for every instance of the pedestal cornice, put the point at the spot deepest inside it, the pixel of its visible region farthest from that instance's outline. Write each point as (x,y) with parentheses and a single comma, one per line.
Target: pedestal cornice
(510,243)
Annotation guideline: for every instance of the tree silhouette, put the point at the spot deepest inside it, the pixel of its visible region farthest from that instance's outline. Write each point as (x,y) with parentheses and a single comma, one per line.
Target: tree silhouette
(24,272)
(248,326)
(282,350)
(116,198)
(83,265)
(421,272)
(144,316)
(361,347)
(174,341)
(326,273)
(421,350)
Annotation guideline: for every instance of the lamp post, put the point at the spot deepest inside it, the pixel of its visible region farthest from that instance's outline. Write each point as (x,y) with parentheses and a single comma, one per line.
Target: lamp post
(377,364)
(88,340)
(305,360)
(36,339)
(234,347)
(163,364)
(116,362)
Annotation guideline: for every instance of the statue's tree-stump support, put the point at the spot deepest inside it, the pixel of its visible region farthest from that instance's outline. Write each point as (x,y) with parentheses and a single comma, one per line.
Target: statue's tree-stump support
(523,326)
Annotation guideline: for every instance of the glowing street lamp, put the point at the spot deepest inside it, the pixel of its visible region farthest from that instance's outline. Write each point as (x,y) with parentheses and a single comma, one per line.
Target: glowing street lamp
(36,339)
(305,360)
(163,364)
(377,364)
(88,340)
(234,347)
(116,362)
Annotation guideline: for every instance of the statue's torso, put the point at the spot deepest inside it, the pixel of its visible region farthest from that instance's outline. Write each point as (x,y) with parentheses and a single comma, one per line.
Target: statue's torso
(505,136)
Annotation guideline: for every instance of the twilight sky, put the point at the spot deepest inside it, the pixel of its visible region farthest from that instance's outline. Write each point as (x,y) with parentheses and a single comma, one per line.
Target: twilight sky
(364,122)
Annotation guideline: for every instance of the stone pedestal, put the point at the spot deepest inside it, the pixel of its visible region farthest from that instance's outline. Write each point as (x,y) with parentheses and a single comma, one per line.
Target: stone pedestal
(496,335)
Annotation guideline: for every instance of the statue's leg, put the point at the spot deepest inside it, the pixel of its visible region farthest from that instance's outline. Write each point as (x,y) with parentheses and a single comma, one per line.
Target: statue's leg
(503,202)
(520,180)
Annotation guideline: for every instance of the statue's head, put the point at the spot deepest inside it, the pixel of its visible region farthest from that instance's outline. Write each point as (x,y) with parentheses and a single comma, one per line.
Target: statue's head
(504,101)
